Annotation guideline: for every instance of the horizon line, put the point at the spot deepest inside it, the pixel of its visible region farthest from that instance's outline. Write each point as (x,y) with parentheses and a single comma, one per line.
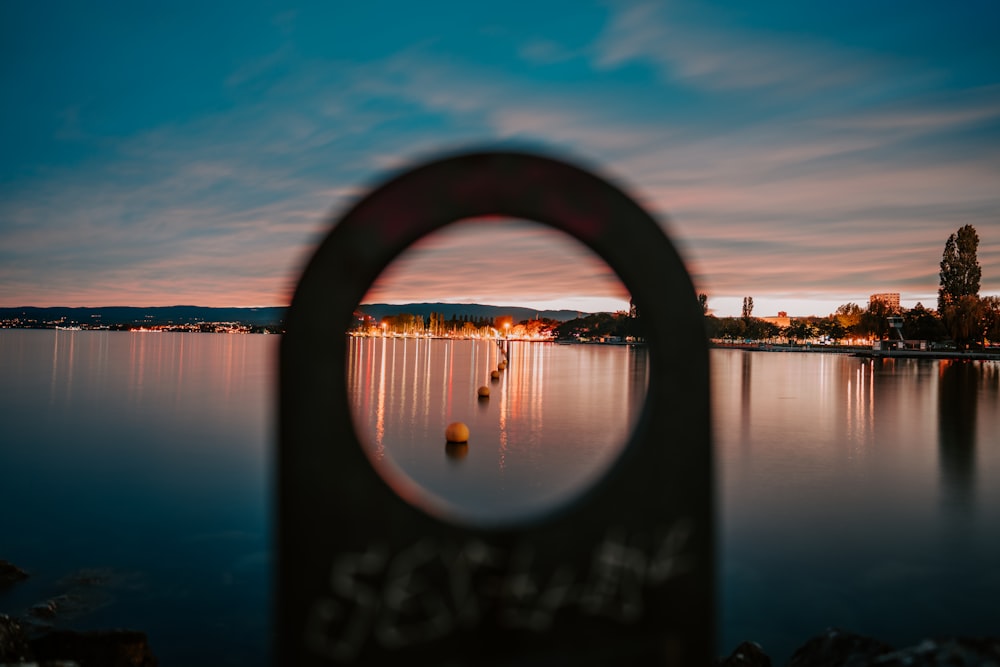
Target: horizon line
(710,311)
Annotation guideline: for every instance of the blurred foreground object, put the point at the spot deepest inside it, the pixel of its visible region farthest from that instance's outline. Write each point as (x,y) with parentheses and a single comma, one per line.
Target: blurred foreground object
(622,576)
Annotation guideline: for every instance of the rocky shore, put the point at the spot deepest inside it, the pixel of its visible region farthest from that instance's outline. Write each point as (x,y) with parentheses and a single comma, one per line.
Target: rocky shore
(68,648)
(837,648)
(10,574)
(30,639)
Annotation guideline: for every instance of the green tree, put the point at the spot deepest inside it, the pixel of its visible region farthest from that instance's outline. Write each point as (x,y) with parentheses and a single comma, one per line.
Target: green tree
(849,316)
(922,324)
(831,328)
(874,321)
(753,330)
(732,328)
(747,307)
(958,294)
(960,270)
(703,300)
(741,328)
(713,326)
(594,326)
(766,330)
(799,330)
(990,313)
(962,320)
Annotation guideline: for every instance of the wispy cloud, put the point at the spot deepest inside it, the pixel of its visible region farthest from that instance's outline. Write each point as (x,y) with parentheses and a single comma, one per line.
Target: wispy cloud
(706,54)
(220,210)
(925,114)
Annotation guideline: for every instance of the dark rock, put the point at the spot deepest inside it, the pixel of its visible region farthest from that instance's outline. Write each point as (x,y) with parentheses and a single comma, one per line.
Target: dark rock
(47,609)
(747,654)
(960,652)
(105,648)
(68,605)
(836,648)
(13,641)
(10,574)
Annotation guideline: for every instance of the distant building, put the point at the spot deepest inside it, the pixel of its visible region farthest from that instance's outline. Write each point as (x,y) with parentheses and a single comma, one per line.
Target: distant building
(782,320)
(889,299)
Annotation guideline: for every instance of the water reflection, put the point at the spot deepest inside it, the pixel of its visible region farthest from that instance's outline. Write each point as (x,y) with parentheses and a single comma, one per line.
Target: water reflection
(456,451)
(145,454)
(860,414)
(958,385)
(869,498)
(380,409)
(556,417)
(834,517)
(165,369)
(745,383)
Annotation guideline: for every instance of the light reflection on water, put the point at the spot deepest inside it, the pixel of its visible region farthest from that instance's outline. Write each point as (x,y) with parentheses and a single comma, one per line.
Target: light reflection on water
(143,456)
(556,418)
(853,493)
(857,493)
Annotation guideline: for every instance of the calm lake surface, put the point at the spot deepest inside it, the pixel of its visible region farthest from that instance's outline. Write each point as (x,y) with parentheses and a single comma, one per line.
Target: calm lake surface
(555,420)
(136,477)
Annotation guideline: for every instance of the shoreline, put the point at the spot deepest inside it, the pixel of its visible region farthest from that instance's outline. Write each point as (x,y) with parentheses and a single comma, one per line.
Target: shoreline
(864,352)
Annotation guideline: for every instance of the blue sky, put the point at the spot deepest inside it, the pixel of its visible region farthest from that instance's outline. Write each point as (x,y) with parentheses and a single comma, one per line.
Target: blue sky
(805,154)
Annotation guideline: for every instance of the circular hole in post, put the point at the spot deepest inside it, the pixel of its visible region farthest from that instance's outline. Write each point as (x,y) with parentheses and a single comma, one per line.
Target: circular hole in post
(520,334)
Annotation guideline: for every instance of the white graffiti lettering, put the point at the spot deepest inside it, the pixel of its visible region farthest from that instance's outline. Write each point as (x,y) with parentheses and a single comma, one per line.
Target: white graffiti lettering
(430,590)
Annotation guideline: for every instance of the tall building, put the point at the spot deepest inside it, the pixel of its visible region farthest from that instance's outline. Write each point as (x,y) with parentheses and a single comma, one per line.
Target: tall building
(888,299)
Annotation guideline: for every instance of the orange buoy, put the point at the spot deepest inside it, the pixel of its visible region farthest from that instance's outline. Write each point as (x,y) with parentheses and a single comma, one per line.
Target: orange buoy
(457,432)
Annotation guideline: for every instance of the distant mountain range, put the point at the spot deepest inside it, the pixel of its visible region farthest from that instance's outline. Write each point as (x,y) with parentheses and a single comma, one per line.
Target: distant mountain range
(267,316)
(473,310)
(110,315)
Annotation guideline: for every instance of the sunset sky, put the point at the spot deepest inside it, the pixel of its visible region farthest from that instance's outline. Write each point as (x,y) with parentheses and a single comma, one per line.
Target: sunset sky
(805,154)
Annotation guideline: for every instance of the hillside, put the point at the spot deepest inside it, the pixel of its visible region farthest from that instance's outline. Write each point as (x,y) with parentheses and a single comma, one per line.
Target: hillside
(159,315)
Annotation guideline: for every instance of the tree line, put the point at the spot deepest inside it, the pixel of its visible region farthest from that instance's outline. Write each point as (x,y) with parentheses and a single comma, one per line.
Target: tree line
(962,318)
(457,325)
(621,325)
(593,326)
(436,324)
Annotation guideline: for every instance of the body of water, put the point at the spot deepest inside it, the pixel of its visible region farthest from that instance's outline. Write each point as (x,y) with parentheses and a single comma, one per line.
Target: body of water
(135,483)
(556,417)
(136,470)
(856,493)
